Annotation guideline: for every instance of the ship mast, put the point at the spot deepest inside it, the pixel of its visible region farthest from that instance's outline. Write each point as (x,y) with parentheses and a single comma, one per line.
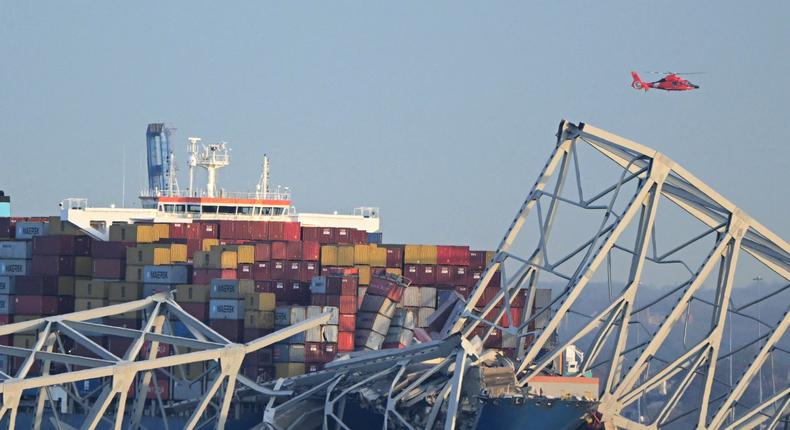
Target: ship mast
(192,149)
(263,185)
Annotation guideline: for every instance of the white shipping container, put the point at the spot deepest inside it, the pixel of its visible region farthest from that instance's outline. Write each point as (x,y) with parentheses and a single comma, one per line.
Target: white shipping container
(422,317)
(333,320)
(313,311)
(298,314)
(296,353)
(428,297)
(16,249)
(185,390)
(370,321)
(329,333)
(378,304)
(411,297)
(313,335)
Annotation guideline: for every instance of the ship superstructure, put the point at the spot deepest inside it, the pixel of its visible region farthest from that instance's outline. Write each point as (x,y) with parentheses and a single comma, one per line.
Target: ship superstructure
(165,202)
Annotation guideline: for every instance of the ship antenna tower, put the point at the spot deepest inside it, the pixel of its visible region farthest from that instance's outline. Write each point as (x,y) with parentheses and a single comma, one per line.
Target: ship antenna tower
(192,149)
(263,185)
(213,157)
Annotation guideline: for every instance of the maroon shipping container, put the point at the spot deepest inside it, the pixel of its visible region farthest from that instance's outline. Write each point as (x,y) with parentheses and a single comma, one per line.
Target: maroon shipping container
(463,290)
(245,271)
(293,270)
(261,270)
(36,285)
(292,231)
(326,235)
(348,304)
(65,304)
(317,299)
(313,352)
(343,235)
(61,245)
(308,270)
(162,386)
(279,250)
(332,300)
(276,230)
(259,230)
(445,275)
(359,236)
(330,351)
(178,230)
(293,250)
(263,251)
(243,230)
(278,269)
(106,268)
(297,292)
(119,345)
(6,232)
(231,329)
(227,229)
(280,291)
(100,249)
(204,276)
(310,233)
(427,274)
(347,322)
(5,340)
(263,287)
(394,256)
(461,275)
(35,305)
(193,246)
(477,260)
(311,250)
(162,350)
(412,273)
(197,310)
(52,265)
(203,230)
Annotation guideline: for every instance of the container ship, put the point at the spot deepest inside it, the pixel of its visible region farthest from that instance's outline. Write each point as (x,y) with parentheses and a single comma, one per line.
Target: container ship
(248,264)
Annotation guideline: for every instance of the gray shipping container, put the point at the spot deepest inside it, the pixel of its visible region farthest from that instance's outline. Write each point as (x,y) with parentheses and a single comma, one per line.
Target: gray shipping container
(25,230)
(428,297)
(422,317)
(6,285)
(151,289)
(298,314)
(411,297)
(329,333)
(313,311)
(318,285)
(6,304)
(230,288)
(280,353)
(296,353)
(185,390)
(378,304)
(15,267)
(333,320)
(368,339)
(174,274)
(226,309)
(371,321)
(16,249)
(282,316)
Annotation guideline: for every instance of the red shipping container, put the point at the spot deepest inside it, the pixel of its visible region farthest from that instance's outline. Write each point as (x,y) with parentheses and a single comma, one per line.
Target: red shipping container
(339,271)
(292,270)
(330,351)
(278,269)
(444,254)
(36,285)
(459,255)
(259,230)
(263,287)
(279,250)
(308,270)
(227,229)
(347,322)
(262,270)
(382,286)
(162,386)
(313,352)
(100,249)
(193,246)
(348,304)
(263,251)
(35,305)
(162,350)
(227,274)
(105,268)
(243,230)
(445,275)
(359,236)
(326,235)
(317,299)
(231,329)
(412,273)
(477,260)
(333,300)
(311,250)
(293,250)
(463,290)
(245,271)
(292,231)
(460,275)
(520,300)
(52,265)
(427,274)
(394,256)
(343,235)
(276,230)
(197,310)
(204,276)
(345,341)
(206,230)
(310,233)
(178,230)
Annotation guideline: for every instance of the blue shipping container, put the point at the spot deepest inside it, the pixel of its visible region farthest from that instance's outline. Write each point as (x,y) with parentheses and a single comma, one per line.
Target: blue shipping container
(6,285)
(165,275)
(28,229)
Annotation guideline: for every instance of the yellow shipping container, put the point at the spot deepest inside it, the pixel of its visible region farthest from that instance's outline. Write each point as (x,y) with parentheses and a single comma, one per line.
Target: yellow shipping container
(87,304)
(162,231)
(208,243)
(428,254)
(146,234)
(124,291)
(489,256)
(258,319)
(193,293)
(131,315)
(83,266)
(65,285)
(134,273)
(394,271)
(378,256)
(178,253)
(329,255)
(284,370)
(158,255)
(411,254)
(364,274)
(345,255)
(200,260)
(228,260)
(361,254)
(90,289)
(259,301)
(245,254)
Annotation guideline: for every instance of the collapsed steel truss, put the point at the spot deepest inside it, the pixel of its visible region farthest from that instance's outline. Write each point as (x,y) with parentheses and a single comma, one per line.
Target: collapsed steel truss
(91,360)
(671,377)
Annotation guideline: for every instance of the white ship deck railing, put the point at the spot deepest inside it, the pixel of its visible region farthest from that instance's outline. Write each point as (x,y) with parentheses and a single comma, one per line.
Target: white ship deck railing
(280,195)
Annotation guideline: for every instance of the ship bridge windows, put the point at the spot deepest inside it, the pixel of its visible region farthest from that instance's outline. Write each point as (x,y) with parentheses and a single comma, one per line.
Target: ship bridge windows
(227,210)
(278,211)
(195,209)
(245,210)
(209,209)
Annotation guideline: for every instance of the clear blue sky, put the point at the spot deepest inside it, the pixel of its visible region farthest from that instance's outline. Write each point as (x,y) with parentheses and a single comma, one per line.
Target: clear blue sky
(440,113)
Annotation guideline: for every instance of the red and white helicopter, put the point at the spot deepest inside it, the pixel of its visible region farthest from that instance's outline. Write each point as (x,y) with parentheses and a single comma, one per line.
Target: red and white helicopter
(670,82)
